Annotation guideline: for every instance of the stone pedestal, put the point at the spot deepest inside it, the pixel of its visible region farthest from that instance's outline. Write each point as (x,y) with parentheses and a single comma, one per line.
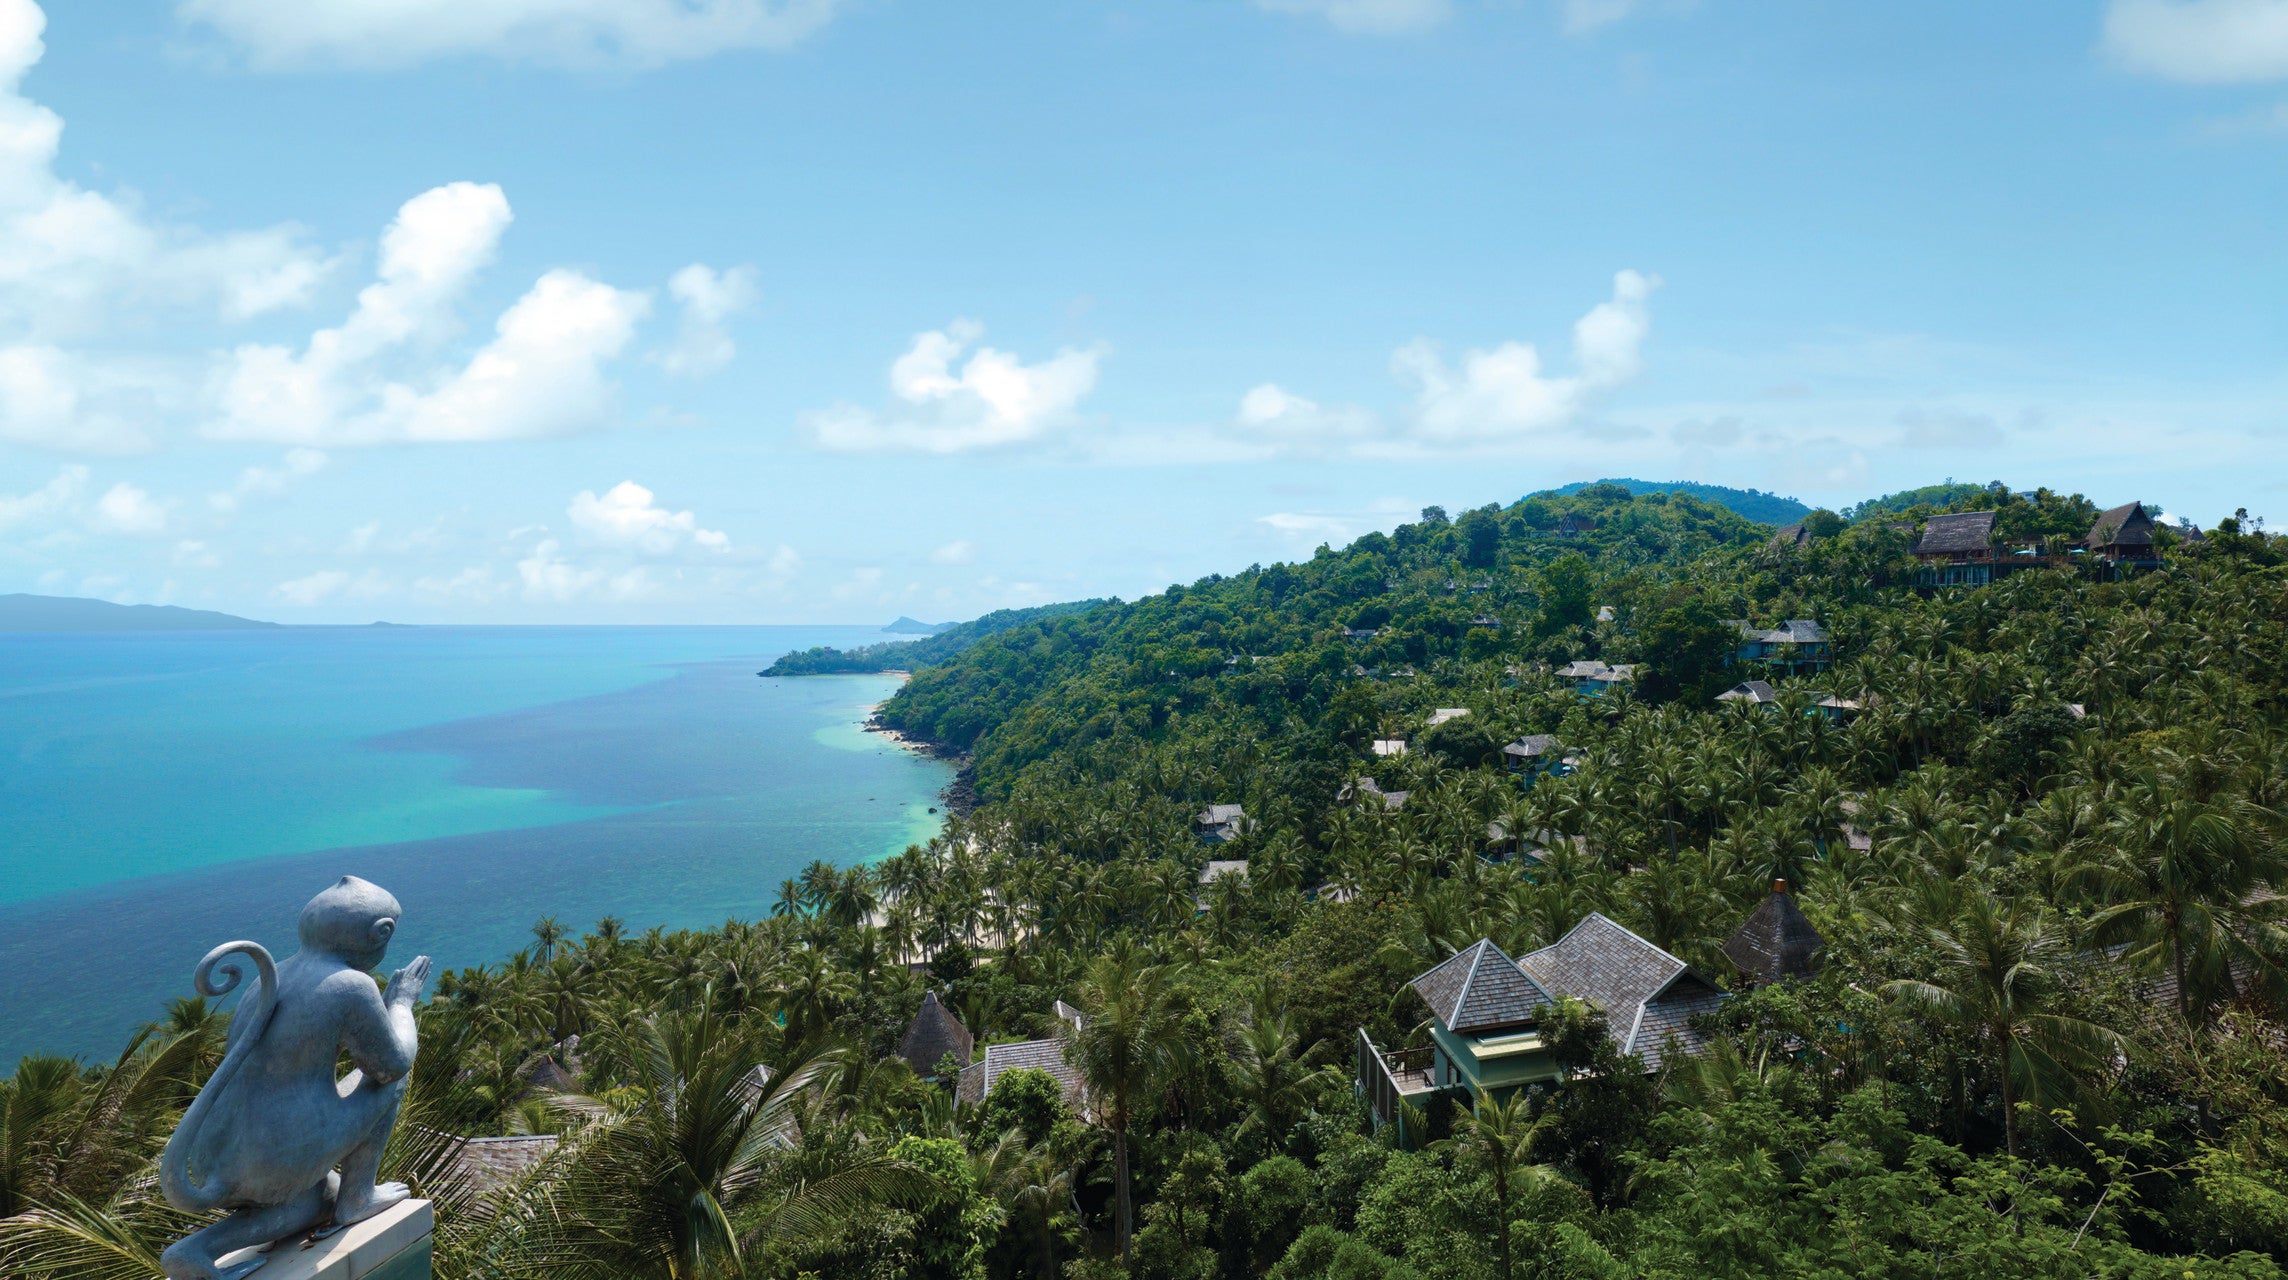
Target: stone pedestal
(391,1245)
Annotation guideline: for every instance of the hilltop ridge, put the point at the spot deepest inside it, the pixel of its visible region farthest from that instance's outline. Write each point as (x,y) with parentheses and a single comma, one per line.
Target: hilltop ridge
(20,612)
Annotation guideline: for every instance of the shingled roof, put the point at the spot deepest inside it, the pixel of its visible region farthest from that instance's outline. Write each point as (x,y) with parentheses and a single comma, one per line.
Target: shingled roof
(934,1033)
(1648,996)
(492,1164)
(978,1078)
(2127,525)
(1958,532)
(1532,744)
(1775,941)
(1480,988)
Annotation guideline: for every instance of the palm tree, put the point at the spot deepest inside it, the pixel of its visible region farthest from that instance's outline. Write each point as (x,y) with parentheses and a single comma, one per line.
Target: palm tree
(1498,1137)
(1995,984)
(1273,1086)
(2191,886)
(692,1178)
(1034,1189)
(1124,1045)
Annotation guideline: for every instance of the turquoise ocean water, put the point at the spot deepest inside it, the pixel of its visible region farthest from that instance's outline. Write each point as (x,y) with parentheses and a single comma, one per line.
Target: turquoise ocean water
(163,792)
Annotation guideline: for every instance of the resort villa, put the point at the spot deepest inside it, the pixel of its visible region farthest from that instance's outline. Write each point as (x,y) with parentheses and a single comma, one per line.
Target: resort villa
(1487,1031)
(1962,549)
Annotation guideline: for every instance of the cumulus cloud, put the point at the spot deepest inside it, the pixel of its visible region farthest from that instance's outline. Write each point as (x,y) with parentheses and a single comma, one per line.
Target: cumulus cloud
(1277,414)
(959,551)
(58,497)
(298,464)
(71,259)
(2200,41)
(129,509)
(542,374)
(994,398)
(395,33)
(549,577)
(626,515)
(706,299)
(1367,17)
(1503,392)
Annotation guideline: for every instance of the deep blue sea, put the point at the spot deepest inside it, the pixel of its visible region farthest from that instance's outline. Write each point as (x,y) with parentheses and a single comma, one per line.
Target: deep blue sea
(164,792)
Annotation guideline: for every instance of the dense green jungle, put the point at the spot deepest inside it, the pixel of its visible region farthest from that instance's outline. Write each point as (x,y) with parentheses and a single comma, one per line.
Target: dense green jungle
(2043,844)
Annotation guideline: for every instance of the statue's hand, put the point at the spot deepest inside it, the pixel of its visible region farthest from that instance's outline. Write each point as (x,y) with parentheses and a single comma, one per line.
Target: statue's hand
(405,985)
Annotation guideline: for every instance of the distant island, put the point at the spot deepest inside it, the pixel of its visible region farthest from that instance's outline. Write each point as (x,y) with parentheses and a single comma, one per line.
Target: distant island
(74,613)
(906,626)
(908,655)
(1749,504)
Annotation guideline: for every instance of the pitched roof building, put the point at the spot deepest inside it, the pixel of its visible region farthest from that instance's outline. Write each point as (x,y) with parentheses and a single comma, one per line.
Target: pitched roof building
(1775,942)
(997,1060)
(1220,822)
(1753,692)
(1957,536)
(1647,995)
(2124,533)
(1486,1012)
(934,1033)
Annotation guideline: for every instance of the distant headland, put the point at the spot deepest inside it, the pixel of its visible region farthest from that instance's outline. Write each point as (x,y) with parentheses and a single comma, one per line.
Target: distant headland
(72,613)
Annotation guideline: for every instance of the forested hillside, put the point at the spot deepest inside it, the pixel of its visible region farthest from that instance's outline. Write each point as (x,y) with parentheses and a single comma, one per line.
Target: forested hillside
(2038,827)
(907,655)
(1752,504)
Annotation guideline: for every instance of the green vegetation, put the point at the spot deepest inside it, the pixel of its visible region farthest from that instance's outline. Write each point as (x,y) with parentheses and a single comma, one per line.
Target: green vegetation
(909,655)
(1751,504)
(2047,855)
(1939,497)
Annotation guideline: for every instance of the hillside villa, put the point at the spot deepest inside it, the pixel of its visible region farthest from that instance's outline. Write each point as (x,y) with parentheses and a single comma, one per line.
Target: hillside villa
(1962,549)
(1487,1010)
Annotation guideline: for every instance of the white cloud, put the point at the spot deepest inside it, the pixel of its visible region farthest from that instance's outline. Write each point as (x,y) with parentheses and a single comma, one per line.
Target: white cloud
(1503,393)
(549,577)
(396,33)
(1273,412)
(56,498)
(706,298)
(994,400)
(959,551)
(627,516)
(1367,17)
(2201,41)
(298,464)
(71,259)
(541,375)
(128,509)
(784,561)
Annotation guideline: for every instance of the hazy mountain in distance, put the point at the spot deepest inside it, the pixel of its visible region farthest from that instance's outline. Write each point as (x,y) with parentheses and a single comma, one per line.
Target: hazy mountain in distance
(72,613)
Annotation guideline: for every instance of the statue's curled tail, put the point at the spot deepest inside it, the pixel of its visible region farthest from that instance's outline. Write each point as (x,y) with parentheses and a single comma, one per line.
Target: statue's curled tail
(182,1187)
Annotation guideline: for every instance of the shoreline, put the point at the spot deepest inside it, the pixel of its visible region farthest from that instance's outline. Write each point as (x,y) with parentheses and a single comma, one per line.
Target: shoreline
(958,797)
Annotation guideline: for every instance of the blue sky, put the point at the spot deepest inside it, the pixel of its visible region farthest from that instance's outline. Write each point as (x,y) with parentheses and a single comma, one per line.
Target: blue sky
(825,310)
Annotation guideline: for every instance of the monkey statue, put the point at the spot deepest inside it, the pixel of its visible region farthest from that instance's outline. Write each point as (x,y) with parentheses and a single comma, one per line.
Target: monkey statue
(273,1137)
